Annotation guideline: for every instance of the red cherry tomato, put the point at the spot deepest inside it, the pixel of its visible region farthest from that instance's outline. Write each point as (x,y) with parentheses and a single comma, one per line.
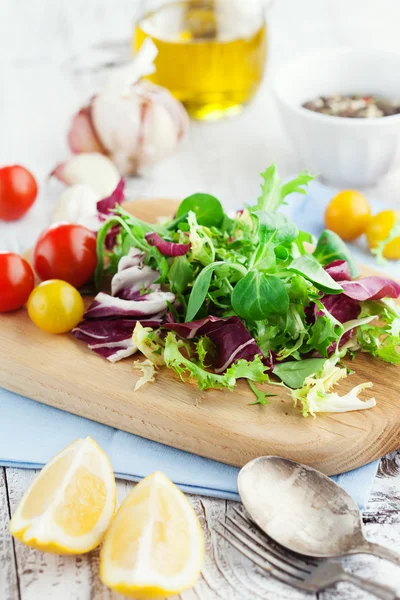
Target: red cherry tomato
(16,281)
(66,252)
(18,190)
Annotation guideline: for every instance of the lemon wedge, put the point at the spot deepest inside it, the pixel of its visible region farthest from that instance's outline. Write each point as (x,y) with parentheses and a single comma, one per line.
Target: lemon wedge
(154,547)
(69,505)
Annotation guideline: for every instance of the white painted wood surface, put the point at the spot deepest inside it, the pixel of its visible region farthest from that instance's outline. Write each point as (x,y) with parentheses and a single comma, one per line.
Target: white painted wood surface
(53,55)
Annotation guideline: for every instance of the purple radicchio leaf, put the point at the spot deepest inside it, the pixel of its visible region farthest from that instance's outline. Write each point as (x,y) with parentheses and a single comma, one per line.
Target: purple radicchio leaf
(134,258)
(111,237)
(341,307)
(133,281)
(105,306)
(107,205)
(230,336)
(371,288)
(110,338)
(339,270)
(114,351)
(167,248)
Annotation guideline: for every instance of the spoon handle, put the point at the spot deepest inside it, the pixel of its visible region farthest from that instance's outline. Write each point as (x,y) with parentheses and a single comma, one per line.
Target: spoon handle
(379,590)
(381,551)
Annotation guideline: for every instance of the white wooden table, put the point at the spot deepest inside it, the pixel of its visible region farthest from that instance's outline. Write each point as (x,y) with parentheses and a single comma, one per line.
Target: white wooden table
(53,55)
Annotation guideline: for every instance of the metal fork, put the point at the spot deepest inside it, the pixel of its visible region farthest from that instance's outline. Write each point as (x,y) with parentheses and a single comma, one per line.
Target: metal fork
(307,574)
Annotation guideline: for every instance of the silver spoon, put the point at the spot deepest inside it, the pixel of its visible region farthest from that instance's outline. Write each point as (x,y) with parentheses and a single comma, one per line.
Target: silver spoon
(305,511)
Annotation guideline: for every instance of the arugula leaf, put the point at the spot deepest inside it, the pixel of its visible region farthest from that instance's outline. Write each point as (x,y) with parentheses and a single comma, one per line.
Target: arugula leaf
(293,373)
(258,296)
(207,208)
(273,192)
(100,250)
(261,397)
(331,247)
(308,266)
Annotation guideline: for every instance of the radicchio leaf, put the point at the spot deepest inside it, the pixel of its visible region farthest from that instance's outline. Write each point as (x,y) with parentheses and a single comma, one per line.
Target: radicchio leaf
(371,288)
(110,338)
(111,237)
(107,205)
(105,306)
(134,283)
(106,330)
(134,258)
(167,248)
(341,307)
(114,351)
(230,336)
(339,270)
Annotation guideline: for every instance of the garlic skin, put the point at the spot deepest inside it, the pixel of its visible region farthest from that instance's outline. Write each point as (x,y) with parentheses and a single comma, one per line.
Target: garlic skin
(82,137)
(78,204)
(93,169)
(135,122)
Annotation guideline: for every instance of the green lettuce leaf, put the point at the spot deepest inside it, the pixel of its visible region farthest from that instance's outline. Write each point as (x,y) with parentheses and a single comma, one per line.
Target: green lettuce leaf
(274,191)
(186,368)
(316,396)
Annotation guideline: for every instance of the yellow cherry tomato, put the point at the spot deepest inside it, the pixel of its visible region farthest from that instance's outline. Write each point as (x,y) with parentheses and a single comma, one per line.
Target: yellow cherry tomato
(55,306)
(348,214)
(378,230)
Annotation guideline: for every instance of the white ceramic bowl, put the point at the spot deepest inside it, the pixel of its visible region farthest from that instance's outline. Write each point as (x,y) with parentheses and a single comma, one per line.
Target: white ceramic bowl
(346,152)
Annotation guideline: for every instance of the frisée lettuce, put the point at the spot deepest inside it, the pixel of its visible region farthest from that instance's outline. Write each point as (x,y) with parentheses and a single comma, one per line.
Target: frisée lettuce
(218,298)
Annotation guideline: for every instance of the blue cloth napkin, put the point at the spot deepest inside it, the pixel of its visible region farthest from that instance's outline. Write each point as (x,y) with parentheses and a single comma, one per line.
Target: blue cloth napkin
(32,433)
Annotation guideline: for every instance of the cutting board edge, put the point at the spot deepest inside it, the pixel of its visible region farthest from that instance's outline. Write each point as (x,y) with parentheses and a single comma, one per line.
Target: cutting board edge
(214,451)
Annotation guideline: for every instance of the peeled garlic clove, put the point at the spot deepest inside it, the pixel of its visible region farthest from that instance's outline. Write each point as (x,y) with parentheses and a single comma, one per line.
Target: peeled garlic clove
(93,169)
(78,204)
(82,136)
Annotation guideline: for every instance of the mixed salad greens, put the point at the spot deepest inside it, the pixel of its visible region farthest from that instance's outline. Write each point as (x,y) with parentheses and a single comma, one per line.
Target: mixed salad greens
(217,298)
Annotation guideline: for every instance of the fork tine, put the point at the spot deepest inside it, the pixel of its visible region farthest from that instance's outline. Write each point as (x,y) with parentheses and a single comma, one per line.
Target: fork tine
(291,562)
(261,563)
(291,557)
(285,569)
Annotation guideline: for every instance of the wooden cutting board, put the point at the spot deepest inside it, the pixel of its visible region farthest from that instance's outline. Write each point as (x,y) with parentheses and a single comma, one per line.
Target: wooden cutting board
(60,371)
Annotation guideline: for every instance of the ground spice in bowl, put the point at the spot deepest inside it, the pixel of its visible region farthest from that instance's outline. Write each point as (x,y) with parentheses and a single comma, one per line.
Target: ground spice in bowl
(353,106)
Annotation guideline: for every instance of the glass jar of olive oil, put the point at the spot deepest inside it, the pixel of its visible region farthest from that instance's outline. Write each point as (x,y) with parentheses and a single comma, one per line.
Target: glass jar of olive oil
(211,53)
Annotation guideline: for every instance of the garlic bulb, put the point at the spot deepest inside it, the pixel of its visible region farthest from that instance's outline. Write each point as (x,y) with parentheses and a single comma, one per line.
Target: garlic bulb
(92,169)
(133,121)
(78,204)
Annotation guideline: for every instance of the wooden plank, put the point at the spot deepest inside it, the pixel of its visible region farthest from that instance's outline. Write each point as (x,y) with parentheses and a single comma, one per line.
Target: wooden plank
(226,574)
(9,589)
(47,576)
(382,525)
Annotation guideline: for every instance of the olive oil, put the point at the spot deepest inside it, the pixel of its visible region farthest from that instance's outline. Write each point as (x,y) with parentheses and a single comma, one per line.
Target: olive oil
(209,57)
